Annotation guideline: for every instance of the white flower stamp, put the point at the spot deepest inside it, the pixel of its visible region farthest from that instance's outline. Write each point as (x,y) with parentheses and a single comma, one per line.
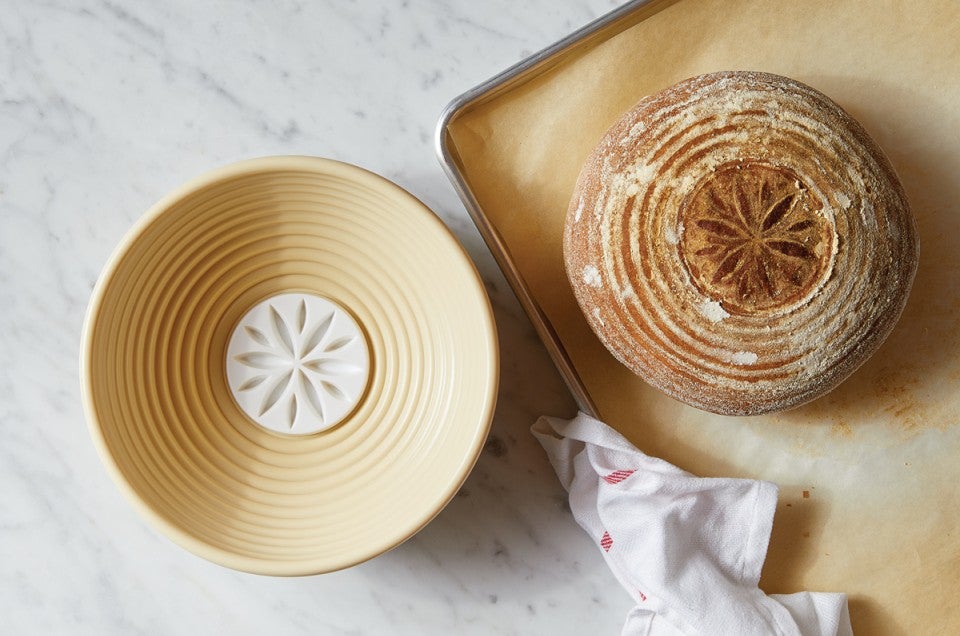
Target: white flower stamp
(297,364)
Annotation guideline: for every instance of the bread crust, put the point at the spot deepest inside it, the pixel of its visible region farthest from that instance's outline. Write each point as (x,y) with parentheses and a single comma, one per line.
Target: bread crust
(739,242)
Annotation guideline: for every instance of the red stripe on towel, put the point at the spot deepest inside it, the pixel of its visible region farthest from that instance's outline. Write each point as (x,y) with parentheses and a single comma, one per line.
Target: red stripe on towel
(617,476)
(605,541)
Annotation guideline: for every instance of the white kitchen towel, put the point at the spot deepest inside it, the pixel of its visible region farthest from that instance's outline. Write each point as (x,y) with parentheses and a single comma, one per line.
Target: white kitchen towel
(688,549)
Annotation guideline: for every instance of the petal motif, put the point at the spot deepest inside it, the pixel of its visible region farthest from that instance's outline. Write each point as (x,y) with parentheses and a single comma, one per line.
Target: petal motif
(331,366)
(339,343)
(309,391)
(744,207)
(333,390)
(262,360)
(276,392)
(255,381)
(801,226)
(301,316)
(728,265)
(281,329)
(292,410)
(316,336)
(718,227)
(790,248)
(778,211)
(257,336)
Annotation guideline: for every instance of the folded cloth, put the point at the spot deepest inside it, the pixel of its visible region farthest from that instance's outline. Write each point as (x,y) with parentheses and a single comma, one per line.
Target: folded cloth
(688,549)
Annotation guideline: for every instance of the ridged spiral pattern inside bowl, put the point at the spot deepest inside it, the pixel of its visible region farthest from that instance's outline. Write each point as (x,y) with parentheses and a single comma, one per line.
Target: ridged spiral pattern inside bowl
(156,386)
(629,259)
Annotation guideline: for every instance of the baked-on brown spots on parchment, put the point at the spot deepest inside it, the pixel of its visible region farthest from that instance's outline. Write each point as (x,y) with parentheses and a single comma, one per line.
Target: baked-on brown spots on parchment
(752,237)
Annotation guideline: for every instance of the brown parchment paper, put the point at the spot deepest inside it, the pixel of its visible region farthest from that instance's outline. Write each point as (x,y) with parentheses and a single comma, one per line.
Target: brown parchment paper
(870,474)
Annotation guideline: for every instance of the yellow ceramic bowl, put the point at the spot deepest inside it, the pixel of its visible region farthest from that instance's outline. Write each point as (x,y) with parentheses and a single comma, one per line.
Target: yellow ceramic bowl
(154,366)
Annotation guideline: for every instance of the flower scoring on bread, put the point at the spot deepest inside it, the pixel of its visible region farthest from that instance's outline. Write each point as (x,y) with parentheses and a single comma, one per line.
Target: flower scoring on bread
(753,244)
(754,237)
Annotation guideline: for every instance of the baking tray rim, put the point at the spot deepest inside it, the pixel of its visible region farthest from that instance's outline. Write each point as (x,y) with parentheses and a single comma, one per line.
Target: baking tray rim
(523,70)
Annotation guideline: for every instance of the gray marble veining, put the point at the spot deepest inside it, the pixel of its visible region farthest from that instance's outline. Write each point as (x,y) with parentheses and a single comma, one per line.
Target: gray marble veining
(104,107)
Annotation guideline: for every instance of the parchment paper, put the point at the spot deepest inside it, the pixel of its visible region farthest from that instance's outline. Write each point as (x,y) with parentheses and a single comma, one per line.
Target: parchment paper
(870,474)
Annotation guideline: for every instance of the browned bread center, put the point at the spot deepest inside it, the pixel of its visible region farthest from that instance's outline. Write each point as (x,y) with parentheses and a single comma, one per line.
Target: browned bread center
(740,242)
(753,237)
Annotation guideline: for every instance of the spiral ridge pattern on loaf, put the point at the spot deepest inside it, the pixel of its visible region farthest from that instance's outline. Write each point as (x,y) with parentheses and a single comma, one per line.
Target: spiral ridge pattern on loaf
(740,242)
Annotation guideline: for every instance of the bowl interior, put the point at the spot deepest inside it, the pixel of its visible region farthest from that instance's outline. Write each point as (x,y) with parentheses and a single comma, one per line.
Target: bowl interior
(155,381)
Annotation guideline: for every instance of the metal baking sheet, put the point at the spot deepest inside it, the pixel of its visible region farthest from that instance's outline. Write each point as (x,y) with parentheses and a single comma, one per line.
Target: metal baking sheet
(880,451)
(604,27)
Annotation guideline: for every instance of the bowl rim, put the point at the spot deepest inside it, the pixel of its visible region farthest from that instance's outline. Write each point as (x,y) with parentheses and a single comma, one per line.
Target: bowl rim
(253,167)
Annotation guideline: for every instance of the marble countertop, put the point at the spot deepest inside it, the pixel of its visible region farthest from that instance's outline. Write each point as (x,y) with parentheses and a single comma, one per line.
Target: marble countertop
(105,106)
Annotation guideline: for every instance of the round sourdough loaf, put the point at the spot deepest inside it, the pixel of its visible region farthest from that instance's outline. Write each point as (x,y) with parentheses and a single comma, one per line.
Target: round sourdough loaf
(740,242)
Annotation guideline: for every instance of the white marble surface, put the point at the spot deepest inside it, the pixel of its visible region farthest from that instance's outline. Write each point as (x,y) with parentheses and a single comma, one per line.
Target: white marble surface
(107,105)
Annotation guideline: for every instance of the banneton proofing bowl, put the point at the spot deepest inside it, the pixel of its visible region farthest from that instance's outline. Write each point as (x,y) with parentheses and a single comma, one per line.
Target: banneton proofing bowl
(289,365)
